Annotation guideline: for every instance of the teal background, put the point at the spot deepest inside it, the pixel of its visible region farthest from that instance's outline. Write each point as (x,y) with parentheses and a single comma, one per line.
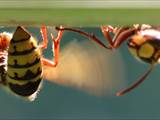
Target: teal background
(59,102)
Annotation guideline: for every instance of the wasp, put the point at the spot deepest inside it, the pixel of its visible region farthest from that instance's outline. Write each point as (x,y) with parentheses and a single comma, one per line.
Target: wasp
(143,42)
(21,60)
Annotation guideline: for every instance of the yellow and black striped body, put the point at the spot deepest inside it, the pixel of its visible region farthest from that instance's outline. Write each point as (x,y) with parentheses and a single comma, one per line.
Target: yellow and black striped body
(24,69)
(146,46)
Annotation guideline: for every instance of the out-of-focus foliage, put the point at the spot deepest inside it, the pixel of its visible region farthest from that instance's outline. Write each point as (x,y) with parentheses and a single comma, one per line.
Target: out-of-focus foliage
(78,16)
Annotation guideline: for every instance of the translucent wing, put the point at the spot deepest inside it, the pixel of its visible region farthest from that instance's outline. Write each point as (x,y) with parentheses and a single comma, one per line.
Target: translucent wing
(88,67)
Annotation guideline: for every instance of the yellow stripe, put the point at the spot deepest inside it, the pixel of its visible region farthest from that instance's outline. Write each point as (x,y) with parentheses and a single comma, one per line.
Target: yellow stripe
(24,59)
(22,71)
(24,45)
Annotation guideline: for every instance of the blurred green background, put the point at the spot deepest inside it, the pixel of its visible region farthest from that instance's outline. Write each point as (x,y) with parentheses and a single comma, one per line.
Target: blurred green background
(78,16)
(79,13)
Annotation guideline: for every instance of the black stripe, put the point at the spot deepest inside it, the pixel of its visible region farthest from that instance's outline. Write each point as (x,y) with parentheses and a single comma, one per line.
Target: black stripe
(16,65)
(26,89)
(16,53)
(29,75)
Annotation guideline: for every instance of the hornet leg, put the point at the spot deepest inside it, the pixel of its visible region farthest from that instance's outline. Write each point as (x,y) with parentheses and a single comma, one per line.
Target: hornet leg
(56,42)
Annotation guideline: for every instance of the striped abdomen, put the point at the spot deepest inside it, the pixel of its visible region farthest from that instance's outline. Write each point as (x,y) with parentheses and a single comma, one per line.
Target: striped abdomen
(24,72)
